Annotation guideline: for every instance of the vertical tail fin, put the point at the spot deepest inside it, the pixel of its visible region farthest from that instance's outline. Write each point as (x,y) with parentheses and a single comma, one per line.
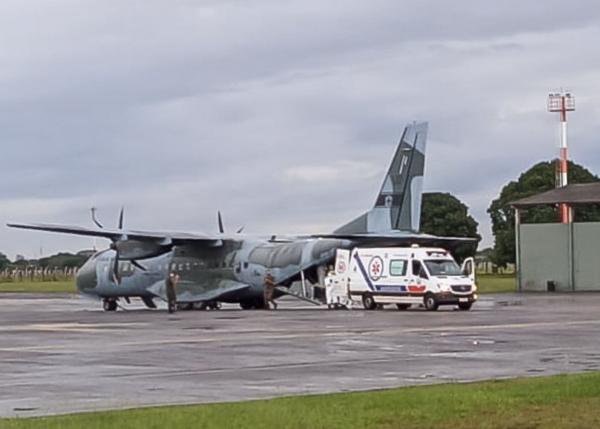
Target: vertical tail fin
(398,204)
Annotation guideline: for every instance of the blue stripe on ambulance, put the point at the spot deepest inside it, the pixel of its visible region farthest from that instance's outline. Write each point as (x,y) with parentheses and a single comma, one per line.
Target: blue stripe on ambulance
(363,272)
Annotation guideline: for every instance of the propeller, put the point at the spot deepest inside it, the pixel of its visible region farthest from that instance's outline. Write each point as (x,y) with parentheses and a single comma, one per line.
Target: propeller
(95,219)
(220,223)
(114,246)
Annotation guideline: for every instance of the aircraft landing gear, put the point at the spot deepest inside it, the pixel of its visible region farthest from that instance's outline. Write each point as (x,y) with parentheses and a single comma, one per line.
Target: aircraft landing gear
(109,304)
(257,304)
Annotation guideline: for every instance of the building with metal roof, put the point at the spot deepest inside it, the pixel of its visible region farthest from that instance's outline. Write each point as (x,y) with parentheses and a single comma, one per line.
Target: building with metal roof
(558,256)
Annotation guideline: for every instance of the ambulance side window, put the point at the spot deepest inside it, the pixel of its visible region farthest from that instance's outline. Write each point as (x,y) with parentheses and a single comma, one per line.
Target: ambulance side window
(418,270)
(398,267)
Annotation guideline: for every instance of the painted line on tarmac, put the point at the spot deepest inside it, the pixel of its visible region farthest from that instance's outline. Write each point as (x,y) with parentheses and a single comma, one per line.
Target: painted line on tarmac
(341,334)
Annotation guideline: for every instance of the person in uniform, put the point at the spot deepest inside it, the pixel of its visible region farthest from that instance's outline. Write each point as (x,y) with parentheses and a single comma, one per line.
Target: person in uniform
(269,290)
(171,285)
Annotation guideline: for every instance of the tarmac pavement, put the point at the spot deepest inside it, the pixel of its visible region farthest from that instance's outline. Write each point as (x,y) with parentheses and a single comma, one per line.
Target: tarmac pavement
(63,354)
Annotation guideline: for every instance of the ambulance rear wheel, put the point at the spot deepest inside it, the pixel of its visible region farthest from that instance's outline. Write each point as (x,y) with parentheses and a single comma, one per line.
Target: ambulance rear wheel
(430,302)
(369,302)
(402,307)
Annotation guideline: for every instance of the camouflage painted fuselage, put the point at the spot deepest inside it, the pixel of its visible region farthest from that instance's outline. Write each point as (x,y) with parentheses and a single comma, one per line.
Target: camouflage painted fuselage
(233,272)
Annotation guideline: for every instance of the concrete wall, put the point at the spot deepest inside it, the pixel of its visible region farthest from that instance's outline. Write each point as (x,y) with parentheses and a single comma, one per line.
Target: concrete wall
(567,254)
(544,256)
(586,258)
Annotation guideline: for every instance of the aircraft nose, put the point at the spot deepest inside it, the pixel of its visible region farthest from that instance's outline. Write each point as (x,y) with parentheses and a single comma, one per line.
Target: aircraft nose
(86,276)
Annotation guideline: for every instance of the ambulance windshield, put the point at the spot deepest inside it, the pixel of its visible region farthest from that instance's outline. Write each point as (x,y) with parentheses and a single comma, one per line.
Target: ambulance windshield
(443,267)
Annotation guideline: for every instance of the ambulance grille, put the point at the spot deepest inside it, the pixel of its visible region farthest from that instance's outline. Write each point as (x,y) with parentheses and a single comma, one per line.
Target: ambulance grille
(461,288)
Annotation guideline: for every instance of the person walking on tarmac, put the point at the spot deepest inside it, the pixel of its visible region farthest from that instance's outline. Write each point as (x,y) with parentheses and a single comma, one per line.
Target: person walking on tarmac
(269,290)
(171,285)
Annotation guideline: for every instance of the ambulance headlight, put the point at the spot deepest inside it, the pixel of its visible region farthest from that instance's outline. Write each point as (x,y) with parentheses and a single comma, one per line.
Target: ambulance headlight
(474,287)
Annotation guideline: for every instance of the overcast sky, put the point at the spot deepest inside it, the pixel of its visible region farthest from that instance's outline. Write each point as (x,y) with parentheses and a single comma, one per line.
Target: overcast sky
(283,114)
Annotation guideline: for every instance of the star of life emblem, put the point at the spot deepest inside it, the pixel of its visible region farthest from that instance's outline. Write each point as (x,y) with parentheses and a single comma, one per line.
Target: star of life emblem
(375,268)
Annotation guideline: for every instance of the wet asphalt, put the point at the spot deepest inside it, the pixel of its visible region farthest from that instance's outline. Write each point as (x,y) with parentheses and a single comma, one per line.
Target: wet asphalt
(63,354)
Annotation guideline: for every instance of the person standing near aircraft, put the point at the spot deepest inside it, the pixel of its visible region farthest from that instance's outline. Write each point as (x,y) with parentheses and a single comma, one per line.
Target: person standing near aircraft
(171,285)
(269,291)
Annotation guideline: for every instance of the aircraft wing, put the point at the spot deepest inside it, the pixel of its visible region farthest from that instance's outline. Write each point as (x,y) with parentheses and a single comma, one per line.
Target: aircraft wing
(124,234)
(189,291)
(399,239)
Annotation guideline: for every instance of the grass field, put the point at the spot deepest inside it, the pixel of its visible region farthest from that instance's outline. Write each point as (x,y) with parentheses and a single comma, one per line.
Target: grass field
(30,287)
(559,402)
(486,283)
(496,283)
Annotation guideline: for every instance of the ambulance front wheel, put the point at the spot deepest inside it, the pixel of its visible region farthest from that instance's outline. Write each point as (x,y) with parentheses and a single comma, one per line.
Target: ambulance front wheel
(369,302)
(430,302)
(465,306)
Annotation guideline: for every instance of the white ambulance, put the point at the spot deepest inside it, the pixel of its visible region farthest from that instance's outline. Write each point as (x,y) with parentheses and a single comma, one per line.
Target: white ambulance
(405,276)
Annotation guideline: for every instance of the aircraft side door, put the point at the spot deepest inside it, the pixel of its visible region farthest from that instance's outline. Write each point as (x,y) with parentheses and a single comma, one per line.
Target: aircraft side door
(468,268)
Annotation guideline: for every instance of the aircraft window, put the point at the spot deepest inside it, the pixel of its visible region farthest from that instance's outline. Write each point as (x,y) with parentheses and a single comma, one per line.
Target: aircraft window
(180,267)
(188,266)
(245,265)
(398,267)
(238,268)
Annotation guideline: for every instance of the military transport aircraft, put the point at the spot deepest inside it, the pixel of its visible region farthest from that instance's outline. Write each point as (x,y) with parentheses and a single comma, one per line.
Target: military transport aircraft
(232,267)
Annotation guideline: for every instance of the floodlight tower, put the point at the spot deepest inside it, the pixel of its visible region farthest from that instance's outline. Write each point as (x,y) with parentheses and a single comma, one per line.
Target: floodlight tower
(562,103)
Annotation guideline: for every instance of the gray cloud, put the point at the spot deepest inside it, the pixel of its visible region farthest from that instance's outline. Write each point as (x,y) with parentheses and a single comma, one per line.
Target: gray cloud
(178,108)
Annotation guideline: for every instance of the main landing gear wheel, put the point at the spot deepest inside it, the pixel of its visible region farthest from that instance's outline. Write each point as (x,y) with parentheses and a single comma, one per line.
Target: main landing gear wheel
(109,304)
(430,302)
(369,302)
(465,306)
(257,304)
(403,307)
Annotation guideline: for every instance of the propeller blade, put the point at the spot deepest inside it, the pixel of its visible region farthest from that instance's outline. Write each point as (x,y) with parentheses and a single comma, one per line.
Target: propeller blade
(137,264)
(121,218)
(240,230)
(220,220)
(116,270)
(95,219)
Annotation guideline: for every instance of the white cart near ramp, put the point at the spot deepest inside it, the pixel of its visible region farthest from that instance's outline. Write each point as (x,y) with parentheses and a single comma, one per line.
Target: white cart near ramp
(337,294)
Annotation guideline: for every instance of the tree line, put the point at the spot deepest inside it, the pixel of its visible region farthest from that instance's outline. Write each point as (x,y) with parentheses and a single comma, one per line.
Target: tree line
(446,215)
